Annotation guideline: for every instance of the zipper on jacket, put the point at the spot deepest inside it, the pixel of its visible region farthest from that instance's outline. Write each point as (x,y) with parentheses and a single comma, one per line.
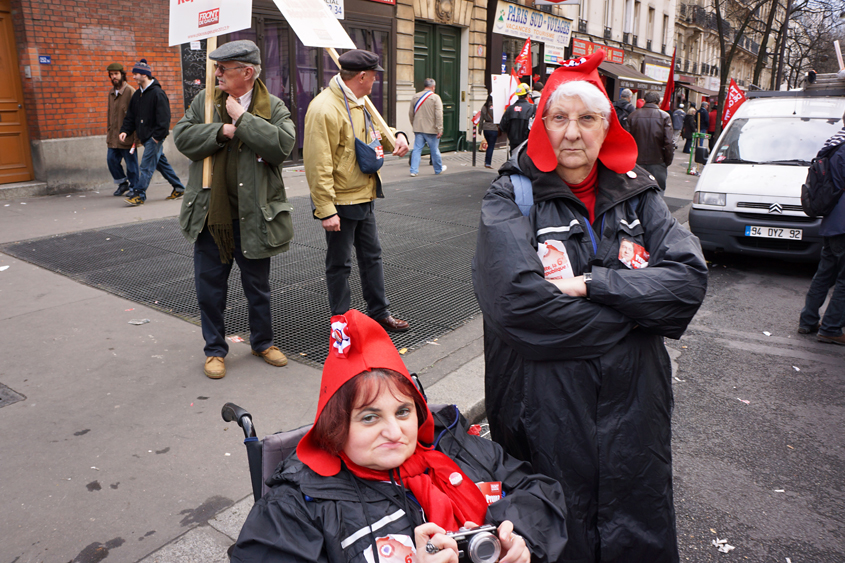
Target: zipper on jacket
(592,235)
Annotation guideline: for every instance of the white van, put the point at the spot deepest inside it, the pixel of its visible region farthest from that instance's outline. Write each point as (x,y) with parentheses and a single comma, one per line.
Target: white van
(748,198)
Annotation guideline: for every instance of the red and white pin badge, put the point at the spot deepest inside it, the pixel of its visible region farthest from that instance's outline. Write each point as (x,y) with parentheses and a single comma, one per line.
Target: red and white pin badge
(340,343)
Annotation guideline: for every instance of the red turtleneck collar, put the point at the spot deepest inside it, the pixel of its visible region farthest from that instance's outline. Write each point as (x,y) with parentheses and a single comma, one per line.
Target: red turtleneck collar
(586,191)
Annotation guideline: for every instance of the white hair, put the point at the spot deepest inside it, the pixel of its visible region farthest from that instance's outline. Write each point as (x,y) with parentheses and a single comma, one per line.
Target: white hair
(592,98)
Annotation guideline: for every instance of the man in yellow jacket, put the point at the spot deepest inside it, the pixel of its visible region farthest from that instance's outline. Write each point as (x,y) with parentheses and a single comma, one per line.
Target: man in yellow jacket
(342,194)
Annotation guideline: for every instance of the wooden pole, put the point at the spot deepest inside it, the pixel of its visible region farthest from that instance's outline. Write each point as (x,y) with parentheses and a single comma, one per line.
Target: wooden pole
(211,45)
(382,124)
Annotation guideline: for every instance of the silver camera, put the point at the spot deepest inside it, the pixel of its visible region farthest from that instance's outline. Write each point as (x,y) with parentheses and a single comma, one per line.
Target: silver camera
(477,545)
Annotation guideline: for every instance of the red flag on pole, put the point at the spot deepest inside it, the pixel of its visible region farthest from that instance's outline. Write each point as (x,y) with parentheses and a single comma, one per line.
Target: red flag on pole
(734,98)
(670,87)
(522,63)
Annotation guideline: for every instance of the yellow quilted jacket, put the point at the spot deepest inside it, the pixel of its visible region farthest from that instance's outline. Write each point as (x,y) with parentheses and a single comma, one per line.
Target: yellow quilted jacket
(329,153)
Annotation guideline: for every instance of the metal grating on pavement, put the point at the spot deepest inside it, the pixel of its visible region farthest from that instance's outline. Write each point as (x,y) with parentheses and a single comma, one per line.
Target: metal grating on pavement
(427,229)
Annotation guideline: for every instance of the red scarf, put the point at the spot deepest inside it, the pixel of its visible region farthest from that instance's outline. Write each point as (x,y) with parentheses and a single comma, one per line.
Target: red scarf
(586,191)
(426,474)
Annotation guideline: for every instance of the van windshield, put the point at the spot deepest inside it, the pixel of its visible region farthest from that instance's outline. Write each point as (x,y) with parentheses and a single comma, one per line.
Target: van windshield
(789,141)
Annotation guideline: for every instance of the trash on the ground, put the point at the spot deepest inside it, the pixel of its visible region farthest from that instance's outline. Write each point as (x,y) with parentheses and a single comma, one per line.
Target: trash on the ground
(767,333)
(780,490)
(227,454)
(723,545)
(683,346)
(788,560)
(681,380)
(430,342)
(132,309)
(23,203)
(236,338)
(712,530)
(796,368)
(403,350)
(790,447)
(192,404)
(303,354)
(139,321)
(743,401)
(3,268)
(7,205)
(97,468)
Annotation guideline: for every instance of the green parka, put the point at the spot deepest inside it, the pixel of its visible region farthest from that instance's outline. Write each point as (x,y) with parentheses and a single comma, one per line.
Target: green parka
(267,137)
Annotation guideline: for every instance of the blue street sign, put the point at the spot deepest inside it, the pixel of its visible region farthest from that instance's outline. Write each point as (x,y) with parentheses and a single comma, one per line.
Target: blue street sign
(44,59)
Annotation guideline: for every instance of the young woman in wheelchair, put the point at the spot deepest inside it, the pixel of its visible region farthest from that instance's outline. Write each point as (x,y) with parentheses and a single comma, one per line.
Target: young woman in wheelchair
(380,479)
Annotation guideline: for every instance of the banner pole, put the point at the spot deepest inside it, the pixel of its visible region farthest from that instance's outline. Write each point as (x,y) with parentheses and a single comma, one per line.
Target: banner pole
(210,45)
(374,113)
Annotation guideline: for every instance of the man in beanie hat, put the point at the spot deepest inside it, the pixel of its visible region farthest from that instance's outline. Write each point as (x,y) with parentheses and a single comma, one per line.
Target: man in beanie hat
(149,118)
(119,96)
(245,215)
(517,119)
(342,193)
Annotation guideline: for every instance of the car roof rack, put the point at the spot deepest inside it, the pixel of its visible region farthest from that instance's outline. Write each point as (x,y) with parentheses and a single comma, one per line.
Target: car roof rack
(822,85)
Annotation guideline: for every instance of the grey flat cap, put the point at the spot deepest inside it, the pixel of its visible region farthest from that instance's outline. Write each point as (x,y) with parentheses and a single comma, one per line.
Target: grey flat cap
(243,50)
(358,59)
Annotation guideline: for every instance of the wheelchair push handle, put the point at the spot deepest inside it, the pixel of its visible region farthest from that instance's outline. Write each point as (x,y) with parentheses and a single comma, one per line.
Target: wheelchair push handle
(232,412)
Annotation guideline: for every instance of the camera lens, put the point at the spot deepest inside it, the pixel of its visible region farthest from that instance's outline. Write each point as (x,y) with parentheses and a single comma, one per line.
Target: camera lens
(484,548)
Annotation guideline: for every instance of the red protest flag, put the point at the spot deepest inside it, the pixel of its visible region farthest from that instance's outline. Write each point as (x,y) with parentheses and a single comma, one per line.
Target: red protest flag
(733,100)
(513,85)
(522,63)
(670,87)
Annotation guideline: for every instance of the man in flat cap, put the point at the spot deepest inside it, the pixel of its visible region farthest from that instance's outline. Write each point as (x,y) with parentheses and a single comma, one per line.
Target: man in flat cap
(119,95)
(344,185)
(149,118)
(244,215)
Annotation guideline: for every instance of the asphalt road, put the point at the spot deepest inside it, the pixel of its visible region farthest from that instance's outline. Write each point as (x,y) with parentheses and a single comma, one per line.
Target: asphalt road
(759,412)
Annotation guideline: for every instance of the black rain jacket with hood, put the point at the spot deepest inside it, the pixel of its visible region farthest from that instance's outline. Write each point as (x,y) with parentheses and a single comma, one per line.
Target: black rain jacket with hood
(580,387)
(310,518)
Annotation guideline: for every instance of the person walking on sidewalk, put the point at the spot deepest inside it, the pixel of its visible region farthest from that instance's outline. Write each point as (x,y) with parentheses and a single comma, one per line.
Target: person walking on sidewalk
(490,131)
(831,269)
(678,123)
(245,215)
(651,127)
(624,108)
(345,183)
(149,117)
(119,96)
(426,115)
(517,119)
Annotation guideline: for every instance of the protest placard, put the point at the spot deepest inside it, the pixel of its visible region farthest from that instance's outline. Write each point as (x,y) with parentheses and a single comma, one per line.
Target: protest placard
(192,20)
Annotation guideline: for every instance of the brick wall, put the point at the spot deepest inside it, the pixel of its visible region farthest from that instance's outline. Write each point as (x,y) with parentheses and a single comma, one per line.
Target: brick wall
(68,97)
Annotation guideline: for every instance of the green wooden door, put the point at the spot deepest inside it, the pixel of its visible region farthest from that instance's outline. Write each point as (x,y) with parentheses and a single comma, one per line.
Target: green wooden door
(437,55)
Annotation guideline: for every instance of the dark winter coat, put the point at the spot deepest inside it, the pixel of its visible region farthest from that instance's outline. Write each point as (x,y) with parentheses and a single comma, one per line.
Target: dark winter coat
(148,114)
(678,118)
(580,387)
(516,121)
(315,519)
(651,127)
(689,126)
(833,224)
(703,120)
(623,109)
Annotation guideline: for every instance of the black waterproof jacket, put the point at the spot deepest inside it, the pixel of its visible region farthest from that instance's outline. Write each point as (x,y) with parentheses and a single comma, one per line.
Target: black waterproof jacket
(516,121)
(580,387)
(148,114)
(315,519)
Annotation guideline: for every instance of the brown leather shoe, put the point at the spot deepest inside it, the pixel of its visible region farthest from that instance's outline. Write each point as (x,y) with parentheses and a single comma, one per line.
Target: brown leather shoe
(215,367)
(391,324)
(832,339)
(272,356)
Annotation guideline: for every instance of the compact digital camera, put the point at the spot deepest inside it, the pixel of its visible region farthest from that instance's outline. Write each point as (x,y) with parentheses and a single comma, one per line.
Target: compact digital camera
(477,545)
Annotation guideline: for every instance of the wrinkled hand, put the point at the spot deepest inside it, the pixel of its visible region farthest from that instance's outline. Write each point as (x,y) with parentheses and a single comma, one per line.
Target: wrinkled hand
(234,109)
(122,137)
(332,223)
(573,287)
(401,148)
(229,130)
(431,532)
(514,549)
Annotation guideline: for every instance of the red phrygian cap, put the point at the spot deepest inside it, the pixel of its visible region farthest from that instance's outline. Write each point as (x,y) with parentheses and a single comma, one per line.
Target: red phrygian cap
(619,151)
(357,344)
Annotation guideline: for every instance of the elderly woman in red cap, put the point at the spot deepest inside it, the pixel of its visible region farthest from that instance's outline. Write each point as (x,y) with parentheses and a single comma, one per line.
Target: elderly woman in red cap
(581,271)
(380,479)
